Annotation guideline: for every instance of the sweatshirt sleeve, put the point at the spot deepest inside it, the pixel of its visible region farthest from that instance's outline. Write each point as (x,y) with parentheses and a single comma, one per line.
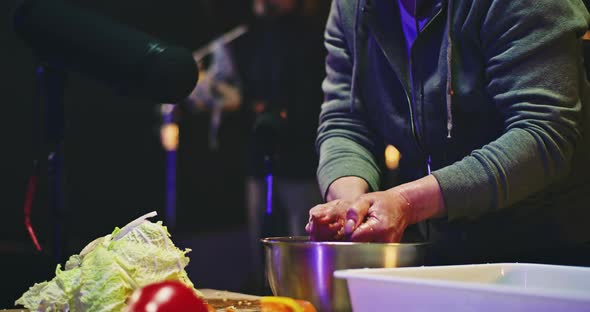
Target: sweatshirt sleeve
(533,65)
(344,141)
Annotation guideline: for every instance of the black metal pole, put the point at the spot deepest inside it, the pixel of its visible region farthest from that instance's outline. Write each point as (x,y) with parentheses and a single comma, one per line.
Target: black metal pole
(51,85)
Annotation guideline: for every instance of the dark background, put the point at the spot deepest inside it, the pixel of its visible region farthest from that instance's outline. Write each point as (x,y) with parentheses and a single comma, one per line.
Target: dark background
(114,164)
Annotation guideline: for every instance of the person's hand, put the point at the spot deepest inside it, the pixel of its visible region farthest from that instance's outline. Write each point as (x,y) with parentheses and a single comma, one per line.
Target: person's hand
(326,221)
(384,216)
(378,217)
(374,217)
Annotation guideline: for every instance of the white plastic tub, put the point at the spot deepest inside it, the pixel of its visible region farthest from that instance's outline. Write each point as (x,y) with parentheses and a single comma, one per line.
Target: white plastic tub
(498,287)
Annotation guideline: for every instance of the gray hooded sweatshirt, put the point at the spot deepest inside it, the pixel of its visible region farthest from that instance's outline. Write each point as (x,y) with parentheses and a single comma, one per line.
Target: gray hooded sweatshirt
(494,100)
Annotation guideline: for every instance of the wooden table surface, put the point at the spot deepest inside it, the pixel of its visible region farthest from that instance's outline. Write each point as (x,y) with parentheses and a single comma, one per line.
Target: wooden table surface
(219,299)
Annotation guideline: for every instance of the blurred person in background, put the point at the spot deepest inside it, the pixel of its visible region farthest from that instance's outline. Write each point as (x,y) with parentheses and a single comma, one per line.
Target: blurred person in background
(280,61)
(276,68)
(489,105)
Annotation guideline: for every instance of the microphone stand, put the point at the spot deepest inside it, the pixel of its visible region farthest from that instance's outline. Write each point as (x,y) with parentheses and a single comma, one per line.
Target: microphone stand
(48,140)
(266,133)
(169,138)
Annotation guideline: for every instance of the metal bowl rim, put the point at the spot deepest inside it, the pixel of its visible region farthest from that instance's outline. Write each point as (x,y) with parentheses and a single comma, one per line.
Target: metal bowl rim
(304,240)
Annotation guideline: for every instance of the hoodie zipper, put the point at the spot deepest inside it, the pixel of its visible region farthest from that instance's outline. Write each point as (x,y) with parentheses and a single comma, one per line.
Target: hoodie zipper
(411,103)
(415,134)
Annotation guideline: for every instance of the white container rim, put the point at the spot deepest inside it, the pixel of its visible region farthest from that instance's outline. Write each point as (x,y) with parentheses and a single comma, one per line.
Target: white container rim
(370,274)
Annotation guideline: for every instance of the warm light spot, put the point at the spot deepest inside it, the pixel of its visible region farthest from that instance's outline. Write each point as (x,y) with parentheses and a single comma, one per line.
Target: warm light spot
(392,157)
(390,258)
(169,136)
(283,114)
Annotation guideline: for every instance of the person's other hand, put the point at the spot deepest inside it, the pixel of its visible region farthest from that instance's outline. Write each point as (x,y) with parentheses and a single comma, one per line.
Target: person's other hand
(326,221)
(378,217)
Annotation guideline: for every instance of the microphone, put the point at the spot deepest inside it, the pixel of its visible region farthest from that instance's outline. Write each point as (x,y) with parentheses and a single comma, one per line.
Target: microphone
(129,61)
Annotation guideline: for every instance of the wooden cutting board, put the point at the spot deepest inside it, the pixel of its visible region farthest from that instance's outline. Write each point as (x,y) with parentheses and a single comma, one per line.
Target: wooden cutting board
(221,300)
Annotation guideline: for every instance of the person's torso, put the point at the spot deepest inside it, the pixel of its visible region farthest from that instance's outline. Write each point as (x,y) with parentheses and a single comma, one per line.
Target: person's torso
(406,99)
(406,105)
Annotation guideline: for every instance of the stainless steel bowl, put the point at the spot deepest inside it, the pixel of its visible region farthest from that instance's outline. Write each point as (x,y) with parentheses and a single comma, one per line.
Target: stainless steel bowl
(303,269)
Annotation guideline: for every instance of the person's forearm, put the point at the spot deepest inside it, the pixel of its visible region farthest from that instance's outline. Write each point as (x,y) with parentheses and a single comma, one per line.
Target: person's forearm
(348,188)
(425,198)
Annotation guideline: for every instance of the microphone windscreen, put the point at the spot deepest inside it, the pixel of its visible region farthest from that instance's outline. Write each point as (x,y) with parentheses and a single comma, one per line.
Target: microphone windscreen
(132,62)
